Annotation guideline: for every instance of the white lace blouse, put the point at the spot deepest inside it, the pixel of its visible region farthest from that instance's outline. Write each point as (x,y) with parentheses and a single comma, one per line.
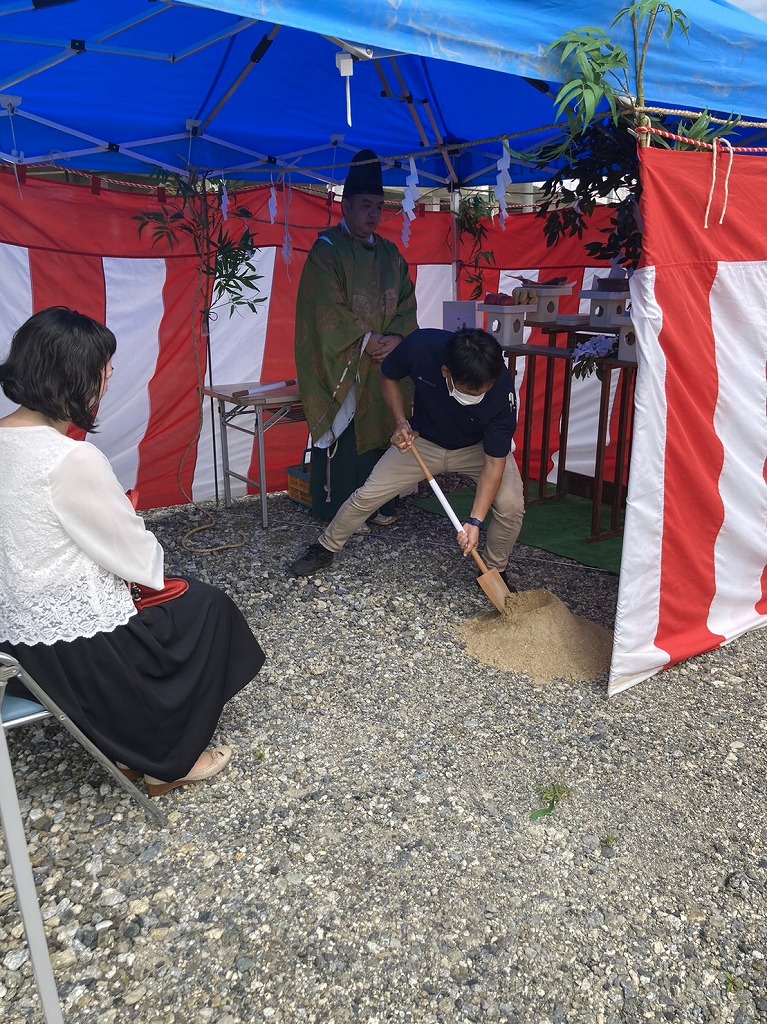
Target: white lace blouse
(69,539)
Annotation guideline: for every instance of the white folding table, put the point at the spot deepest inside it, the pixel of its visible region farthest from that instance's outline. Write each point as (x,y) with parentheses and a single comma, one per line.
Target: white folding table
(270,408)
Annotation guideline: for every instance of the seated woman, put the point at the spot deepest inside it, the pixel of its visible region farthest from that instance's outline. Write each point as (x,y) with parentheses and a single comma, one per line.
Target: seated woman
(147,687)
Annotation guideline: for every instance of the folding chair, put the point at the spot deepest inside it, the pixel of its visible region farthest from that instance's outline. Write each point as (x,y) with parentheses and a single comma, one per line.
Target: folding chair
(14,712)
(9,669)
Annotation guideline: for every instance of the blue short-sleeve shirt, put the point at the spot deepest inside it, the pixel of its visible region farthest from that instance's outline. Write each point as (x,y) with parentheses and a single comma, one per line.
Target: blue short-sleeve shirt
(437,416)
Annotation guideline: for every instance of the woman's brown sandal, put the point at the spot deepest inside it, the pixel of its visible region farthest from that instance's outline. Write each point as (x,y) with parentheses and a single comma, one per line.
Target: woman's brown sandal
(219,759)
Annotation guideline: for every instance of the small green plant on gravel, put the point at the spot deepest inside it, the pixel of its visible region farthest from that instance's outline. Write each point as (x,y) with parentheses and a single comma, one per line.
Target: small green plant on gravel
(732,983)
(550,796)
(608,842)
(259,754)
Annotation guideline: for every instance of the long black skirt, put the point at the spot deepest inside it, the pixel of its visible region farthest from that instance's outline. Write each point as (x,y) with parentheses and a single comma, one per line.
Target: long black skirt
(150,693)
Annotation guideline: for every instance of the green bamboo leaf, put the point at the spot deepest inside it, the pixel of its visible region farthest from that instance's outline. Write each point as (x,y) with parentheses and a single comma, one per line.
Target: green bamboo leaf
(589,105)
(567,92)
(610,97)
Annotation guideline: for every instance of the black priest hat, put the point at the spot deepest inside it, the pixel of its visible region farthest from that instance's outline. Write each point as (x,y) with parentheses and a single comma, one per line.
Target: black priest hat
(364,178)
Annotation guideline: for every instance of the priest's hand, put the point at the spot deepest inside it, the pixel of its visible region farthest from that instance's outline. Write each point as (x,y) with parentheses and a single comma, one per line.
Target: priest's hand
(386,344)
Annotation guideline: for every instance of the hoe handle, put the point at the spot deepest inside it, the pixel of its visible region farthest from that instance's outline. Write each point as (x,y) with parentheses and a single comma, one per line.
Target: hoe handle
(444,502)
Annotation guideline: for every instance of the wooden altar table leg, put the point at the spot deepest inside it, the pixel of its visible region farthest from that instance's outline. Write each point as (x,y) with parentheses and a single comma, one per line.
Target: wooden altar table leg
(599,461)
(530,364)
(564,427)
(548,397)
(623,444)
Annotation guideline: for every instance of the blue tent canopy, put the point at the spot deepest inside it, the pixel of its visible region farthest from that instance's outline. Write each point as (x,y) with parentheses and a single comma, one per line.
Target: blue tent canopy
(257,89)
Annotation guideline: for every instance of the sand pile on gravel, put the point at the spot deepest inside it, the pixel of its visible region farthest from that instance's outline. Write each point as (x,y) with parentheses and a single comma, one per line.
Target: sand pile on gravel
(540,637)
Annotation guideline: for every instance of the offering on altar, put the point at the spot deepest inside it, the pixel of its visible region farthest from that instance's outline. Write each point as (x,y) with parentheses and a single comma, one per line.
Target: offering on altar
(607,299)
(505,317)
(547,295)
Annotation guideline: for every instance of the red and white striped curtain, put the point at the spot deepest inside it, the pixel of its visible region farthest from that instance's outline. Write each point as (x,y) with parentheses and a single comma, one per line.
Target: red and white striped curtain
(79,246)
(694,566)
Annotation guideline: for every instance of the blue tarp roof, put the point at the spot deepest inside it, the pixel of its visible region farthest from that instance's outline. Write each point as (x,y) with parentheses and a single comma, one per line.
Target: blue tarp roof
(252,88)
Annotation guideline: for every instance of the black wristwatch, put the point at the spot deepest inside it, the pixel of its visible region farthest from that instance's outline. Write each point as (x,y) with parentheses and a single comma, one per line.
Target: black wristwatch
(475,522)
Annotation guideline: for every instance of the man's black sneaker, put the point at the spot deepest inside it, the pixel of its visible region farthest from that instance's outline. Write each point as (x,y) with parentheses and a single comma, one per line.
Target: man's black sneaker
(507,580)
(503,574)
(315,557)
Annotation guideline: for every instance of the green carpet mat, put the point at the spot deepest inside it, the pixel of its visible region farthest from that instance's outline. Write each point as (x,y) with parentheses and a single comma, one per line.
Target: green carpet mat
(561,526)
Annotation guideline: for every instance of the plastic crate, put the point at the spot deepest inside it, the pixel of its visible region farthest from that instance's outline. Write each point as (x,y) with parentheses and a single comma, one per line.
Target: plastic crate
(299,485)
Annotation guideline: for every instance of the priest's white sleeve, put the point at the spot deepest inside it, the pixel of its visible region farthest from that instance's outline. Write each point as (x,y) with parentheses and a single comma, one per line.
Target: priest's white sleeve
(93,509)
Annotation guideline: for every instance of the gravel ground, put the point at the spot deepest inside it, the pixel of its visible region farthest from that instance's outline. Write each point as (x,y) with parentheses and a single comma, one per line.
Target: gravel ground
(370,855)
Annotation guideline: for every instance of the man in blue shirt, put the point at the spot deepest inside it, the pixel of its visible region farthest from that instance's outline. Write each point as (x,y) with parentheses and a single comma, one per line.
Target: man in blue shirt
(464,415)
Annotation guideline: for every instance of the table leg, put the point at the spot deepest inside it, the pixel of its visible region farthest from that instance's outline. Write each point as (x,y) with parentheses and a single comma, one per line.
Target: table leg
(224,455)
(261,465)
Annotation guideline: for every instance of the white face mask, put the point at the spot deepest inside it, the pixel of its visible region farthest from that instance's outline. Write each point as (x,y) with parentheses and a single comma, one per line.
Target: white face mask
(460,397)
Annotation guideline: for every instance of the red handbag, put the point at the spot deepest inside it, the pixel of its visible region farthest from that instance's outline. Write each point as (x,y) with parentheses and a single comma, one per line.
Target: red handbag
(145,597)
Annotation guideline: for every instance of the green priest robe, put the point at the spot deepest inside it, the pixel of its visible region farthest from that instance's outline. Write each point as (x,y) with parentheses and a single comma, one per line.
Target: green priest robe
(349,287)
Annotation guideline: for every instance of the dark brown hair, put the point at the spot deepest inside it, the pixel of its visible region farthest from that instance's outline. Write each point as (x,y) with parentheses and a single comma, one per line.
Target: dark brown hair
(56,365)
(474,358)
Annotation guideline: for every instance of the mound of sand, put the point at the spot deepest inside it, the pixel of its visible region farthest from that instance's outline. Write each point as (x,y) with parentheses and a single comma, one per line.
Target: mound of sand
(538,636)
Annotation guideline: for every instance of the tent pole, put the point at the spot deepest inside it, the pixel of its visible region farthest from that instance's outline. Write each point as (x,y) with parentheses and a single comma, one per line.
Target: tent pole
(206,252)
(254,59)
(407,98)
(441,143)
(212,410)
(455,202)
